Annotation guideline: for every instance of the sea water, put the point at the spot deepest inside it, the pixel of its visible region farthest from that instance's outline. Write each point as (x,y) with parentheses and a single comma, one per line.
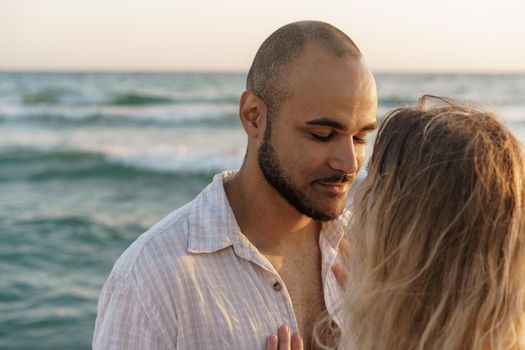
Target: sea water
(89,161)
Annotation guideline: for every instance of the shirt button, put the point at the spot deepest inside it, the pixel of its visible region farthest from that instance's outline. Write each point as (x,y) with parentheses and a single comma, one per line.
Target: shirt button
(277,287)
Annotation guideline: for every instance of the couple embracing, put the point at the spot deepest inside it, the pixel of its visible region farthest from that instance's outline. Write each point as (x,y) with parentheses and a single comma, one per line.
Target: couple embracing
(434,240)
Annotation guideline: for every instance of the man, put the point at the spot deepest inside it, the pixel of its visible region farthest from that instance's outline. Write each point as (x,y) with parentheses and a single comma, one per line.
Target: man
(253,251)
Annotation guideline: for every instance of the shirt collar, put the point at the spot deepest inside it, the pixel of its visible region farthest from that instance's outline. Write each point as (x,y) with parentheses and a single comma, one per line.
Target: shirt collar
(213,225)
(333,231)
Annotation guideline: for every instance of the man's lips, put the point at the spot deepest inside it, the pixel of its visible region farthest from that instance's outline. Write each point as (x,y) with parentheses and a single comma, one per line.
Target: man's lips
(334,187)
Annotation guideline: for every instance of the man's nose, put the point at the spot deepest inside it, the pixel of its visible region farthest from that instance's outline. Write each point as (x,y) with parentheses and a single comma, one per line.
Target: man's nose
(344,158)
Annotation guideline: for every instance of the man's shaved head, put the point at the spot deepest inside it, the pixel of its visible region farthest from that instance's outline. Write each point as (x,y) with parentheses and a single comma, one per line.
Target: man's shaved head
(267,77)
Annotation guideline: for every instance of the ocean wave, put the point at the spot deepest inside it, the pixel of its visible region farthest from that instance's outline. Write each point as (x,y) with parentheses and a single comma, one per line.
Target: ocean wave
(392,101)
(175,115)
(55,96)
(143,99)
(43,165)
(44,96)
(76,228)
(135,99)
(204,164)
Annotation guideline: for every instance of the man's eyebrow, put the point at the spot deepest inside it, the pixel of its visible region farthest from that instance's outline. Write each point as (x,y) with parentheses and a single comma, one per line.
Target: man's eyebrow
(336,125)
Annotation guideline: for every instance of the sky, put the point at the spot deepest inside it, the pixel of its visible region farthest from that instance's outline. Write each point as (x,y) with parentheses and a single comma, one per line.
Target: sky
(207,35)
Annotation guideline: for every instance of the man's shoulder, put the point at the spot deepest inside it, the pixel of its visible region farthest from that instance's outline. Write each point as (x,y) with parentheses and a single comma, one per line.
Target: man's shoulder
(162,244)
(165,251)
(142,284)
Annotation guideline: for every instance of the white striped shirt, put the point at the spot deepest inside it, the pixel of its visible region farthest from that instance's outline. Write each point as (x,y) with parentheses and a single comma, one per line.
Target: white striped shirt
(194,281)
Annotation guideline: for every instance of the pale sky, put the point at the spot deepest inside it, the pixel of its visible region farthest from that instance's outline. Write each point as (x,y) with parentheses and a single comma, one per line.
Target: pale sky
(207,35)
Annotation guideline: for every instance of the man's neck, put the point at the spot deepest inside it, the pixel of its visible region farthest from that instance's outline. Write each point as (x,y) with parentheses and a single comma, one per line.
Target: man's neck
(265,217)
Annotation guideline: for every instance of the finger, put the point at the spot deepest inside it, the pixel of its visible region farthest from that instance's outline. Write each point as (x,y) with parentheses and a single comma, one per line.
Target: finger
(284,337)
(345,251)
(296,342)
(341,274)
(271,342)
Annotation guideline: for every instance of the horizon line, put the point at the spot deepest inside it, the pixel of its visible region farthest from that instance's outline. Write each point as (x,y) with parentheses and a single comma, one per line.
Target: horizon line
(237,71)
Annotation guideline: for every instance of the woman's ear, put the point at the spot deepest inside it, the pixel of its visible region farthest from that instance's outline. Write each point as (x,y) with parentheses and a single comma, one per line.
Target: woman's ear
(252,111)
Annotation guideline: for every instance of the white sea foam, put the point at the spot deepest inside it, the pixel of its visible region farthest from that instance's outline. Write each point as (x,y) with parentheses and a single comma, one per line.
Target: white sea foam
(189,164)
(170,150)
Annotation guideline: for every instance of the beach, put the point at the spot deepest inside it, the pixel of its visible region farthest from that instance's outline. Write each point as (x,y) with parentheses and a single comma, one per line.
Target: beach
(89,161)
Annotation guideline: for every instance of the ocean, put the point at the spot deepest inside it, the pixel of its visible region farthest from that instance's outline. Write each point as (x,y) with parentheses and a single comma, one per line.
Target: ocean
(89,161)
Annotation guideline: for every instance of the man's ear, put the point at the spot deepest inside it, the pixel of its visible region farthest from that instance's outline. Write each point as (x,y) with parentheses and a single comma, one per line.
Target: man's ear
(252,111)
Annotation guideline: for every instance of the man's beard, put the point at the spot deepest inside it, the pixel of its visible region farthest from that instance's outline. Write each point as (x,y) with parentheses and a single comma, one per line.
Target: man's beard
(276,177)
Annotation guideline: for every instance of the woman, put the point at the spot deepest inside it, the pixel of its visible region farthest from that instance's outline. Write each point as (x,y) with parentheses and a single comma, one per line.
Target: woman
(438,235)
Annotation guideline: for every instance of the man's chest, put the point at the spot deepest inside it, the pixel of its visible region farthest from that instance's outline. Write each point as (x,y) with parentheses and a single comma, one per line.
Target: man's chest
(235,303)
(306,294)
(240,306)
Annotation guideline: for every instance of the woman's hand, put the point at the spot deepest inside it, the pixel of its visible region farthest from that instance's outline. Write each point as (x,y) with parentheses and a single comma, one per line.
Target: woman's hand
(283,340)
(340,270)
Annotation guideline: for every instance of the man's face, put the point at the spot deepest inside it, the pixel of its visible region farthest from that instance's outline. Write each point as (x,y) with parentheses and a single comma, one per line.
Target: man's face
(315,145)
